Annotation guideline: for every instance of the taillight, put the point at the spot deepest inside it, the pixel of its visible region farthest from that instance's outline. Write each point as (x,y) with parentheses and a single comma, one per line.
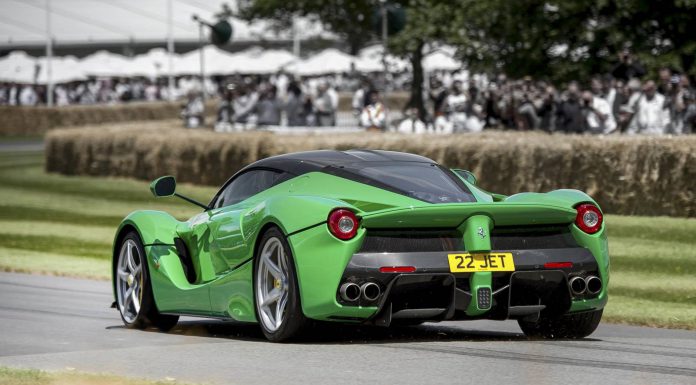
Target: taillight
(343,224)
(589,218)
(397,269)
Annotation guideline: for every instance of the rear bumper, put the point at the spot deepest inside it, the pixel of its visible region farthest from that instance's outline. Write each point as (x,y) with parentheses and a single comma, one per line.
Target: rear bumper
(432,292)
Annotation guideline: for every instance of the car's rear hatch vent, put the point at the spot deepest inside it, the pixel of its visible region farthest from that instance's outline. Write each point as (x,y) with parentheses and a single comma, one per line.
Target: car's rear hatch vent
(532,237)
(411,240)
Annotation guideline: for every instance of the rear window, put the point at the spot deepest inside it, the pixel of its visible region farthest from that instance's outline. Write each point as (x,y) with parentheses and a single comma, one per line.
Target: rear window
(424,181)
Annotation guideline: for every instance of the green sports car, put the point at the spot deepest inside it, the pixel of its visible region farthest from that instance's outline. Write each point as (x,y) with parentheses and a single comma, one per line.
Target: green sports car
(374,237)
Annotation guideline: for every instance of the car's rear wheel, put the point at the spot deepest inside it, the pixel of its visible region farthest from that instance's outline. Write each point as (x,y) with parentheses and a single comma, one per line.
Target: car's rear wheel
(134,298)
(579,325)
(276,290)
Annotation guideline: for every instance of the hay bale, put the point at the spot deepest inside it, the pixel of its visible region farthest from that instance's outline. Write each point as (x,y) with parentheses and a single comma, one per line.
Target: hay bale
(626,175)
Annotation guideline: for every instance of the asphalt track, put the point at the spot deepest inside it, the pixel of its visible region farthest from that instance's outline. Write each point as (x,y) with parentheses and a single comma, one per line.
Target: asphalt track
(56,323)
(21,146)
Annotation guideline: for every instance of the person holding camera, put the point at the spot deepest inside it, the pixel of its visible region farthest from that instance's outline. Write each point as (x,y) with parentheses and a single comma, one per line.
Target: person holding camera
(598,114)
(628,67)
(651,117)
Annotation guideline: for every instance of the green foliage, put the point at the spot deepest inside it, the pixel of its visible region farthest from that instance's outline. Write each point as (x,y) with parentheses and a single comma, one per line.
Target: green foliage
(567,39)
(557,40)
(349,19)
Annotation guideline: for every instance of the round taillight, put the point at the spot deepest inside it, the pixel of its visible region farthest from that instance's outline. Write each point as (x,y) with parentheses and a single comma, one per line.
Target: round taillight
(589,218)
(343,224)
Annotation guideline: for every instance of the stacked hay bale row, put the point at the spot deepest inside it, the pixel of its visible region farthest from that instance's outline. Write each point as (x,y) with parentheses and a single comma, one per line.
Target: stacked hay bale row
(37,120)
(627,175)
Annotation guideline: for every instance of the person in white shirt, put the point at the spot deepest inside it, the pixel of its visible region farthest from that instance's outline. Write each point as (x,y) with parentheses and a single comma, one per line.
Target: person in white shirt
(412,124)
(28,97)
(61,96)
(651,116)
(476,119)
(359,98)
(13,95)
(325,104)
(374,115)
(456,104)
(600,119)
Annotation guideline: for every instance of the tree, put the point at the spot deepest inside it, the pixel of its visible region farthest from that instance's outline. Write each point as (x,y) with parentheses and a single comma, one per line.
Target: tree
(349,19)
(428,24)
(568,39)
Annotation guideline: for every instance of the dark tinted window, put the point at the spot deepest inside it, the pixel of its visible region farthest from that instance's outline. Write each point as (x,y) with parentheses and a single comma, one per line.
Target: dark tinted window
(424,181)
(248,184)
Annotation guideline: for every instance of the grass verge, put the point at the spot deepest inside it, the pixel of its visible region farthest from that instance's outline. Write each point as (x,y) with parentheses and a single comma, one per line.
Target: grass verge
(62,225)
(12,376)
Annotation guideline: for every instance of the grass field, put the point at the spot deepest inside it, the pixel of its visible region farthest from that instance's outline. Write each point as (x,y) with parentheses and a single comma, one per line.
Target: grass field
(65,225)
(10,376)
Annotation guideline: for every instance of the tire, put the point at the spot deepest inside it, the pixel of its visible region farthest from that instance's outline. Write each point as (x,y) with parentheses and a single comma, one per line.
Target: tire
(578,325)
(130,275)
(276,290)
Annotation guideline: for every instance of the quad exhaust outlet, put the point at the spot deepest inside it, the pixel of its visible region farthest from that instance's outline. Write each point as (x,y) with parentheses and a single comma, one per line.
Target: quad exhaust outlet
(578,286)
(370,291)
(591,285)
(594,284)
(350,292)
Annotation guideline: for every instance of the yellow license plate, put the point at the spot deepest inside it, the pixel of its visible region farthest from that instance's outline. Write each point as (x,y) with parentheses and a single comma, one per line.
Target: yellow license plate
(469,263)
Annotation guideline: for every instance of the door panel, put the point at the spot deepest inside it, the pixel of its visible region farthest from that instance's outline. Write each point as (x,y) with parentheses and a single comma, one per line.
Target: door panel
(228,245)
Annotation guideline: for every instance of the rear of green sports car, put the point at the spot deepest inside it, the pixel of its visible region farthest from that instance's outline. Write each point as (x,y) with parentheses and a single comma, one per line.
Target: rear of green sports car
(519,258)
(375,237)
(538,258)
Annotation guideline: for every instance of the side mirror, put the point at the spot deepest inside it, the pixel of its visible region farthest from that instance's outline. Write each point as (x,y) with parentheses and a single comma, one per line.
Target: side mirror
(164,186)
(466,175)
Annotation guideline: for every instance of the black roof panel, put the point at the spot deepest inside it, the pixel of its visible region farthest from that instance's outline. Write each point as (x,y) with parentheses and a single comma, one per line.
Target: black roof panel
(308,161)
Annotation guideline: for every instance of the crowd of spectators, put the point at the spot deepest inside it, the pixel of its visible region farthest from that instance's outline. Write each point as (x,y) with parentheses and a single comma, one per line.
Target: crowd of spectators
(623,101)
(94,91)
(249,102)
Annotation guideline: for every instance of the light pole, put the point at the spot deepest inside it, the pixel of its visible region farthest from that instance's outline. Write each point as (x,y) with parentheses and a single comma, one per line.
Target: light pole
(201,39)
(385,51)
(49,56)
(170,50)
(385,33)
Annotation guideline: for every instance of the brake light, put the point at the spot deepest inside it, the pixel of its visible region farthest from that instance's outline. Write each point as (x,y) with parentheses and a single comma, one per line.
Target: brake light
(558,265)
(397,269)
(343,224)
(589,218)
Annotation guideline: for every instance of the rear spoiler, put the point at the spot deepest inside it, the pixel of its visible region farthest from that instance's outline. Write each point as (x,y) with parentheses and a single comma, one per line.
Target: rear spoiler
(453,215)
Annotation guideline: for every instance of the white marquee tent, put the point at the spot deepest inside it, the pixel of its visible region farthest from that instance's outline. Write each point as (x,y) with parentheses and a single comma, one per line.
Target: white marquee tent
(154,63)
(328,61)
(371,60)
(441,60)
(104,63)
(63,70)
(217,61)
(22,68)
(18,67)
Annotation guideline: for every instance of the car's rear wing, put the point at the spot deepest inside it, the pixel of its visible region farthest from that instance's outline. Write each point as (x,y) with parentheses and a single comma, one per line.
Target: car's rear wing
(474,221)
(453,215)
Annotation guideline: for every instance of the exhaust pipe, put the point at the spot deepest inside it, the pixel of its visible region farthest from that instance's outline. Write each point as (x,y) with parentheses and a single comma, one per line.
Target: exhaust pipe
(577,285)
(594,284)
(370,291)
(350,292)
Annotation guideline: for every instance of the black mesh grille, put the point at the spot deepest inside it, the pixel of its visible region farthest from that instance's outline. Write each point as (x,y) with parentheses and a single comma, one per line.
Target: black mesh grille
(483,296)
(537,237)
(404,241)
